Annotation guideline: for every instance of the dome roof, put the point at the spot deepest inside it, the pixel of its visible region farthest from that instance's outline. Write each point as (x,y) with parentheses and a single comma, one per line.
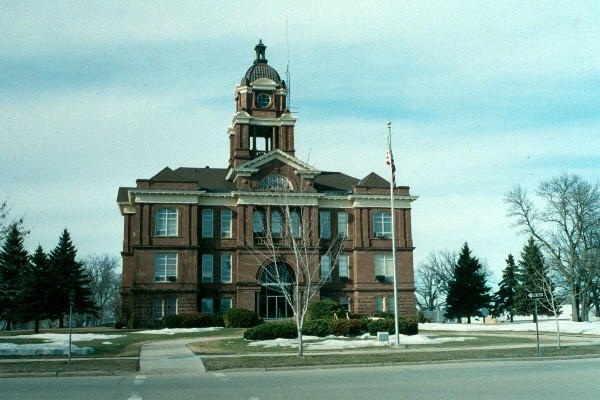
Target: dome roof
(260,68)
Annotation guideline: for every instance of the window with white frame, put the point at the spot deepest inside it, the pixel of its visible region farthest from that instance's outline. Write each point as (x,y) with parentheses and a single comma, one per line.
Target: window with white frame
(225,304)
(226,268)
(207,268)
(389,304)
(382,225)
(165,267)
(384,266)
(324,225)
(162,306)
(275,224)
(295,224)
(207,223)
(206,305)
(343,262)
(166,222)
(226,223)
(345,302)
(258,223)
(275,182)
(342,224)
(379,304)
(326,268)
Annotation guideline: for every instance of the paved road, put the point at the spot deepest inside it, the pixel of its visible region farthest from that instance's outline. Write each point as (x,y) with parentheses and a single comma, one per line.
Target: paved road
(528,380)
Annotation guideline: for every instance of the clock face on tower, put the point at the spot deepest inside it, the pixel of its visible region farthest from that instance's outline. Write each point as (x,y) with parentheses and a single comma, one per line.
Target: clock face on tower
(263,100)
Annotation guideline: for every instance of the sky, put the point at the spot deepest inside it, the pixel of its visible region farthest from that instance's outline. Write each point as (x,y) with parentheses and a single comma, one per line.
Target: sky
(482,96)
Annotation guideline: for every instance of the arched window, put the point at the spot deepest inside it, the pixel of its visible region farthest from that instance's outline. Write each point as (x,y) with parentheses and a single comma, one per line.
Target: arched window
(276,224)
(166,222)
(275,182)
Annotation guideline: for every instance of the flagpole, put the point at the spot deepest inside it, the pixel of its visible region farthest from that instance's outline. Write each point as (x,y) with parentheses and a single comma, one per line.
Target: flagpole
(392,179)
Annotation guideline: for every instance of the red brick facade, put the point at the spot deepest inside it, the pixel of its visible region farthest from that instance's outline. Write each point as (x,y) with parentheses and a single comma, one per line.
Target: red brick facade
(236,191)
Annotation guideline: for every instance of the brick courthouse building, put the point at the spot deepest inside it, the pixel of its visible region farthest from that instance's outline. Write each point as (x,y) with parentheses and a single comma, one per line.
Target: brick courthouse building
(188,232)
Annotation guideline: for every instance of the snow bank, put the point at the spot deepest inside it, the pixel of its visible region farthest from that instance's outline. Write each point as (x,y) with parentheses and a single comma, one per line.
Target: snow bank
(172,331)
(585,328)
(56,344)
(366,340)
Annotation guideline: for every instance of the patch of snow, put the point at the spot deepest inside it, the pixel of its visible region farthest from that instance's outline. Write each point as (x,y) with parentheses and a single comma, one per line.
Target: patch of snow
(362,341)
(56,344)
(106,342)
(585,328)
(172,331)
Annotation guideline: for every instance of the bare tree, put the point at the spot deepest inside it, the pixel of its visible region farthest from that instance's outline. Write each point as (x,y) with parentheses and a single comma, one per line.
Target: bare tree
(432,278)
(105,284)
(294,252)
(547,286)
(563,226)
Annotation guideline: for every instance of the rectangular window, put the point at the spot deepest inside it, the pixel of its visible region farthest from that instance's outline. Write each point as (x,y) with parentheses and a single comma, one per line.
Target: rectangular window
(225,304)
(165,267)
(163,306)
(326,268)
(343,262)
(258,223)
(324,225)
(295,223)
(389,304)
(384,266)
(207,268)
(207,223)
(166,222)
(345,302)
(226,268)
(225,223)
(206,305)
(342,224)
(379,303)
(382,225)
(276,224)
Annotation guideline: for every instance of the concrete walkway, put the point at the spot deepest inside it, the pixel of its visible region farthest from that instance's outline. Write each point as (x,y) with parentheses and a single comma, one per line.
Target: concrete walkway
(170,357)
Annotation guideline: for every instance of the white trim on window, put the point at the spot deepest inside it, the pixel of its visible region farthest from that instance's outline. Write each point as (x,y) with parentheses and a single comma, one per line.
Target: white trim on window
(342,224)
(384,265)
(344,266)
(324,225)
(226,268)
(162,306)
(165,267)
(226,223)
(382,225)
(326,268)
(166,222)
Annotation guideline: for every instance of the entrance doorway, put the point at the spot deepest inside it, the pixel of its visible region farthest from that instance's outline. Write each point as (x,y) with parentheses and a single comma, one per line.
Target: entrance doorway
(276,282)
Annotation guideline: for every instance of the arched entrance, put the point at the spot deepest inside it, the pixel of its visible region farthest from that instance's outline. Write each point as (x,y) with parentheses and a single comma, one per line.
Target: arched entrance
(275,279)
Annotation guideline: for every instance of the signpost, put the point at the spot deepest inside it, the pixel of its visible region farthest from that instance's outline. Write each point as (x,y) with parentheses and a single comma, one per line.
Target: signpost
(71,298)
(534,296)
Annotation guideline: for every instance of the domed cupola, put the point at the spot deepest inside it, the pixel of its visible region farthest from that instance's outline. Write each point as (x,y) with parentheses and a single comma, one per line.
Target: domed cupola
(260,68)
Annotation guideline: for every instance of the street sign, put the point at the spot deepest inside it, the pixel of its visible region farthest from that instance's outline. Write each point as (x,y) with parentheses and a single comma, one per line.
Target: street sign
(537,295)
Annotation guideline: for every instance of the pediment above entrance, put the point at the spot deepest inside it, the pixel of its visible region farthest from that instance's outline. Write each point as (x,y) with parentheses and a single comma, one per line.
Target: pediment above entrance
(276,162)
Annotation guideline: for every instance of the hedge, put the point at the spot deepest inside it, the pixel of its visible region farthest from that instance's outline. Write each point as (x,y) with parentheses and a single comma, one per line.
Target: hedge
(345,327)
(192,320)
(325,309)
(241,318)
(317,327)
(272,330)
(405,326)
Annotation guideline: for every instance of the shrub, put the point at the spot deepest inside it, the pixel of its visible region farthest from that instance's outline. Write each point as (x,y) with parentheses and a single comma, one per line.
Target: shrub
(192,320)
(272,330)
(405,326)
(241,318)
(317,327)
(345,327)
(325,309)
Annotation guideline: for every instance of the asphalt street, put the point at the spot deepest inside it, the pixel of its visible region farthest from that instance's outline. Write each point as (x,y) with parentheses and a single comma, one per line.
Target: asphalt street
(530,380)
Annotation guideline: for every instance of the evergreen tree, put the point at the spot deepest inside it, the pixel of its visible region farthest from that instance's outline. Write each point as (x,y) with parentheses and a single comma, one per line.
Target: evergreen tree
(504,298)
(34,290)
(467,291)
(532,276)
(14,261)
(70,281)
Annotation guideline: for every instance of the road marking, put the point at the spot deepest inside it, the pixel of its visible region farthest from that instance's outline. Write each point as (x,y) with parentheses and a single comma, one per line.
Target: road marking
(222,376)
(139,380)
(135,396)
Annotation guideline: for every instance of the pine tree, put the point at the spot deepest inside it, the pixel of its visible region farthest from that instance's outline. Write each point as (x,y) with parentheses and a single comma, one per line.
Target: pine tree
(70,281)
(467,291)
(532,276)
(14,261)
(34,290)
(504,298)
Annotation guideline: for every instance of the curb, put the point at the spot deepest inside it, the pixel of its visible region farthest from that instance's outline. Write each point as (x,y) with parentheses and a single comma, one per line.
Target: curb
(65,374)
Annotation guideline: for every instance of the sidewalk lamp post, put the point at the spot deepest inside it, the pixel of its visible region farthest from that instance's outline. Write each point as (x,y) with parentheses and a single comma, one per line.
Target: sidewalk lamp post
(534,296)
(71,299)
